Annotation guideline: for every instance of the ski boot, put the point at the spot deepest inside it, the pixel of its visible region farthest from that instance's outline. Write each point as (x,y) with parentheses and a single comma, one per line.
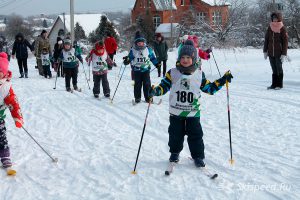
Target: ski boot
(174,157)
(199,162)
(5,160)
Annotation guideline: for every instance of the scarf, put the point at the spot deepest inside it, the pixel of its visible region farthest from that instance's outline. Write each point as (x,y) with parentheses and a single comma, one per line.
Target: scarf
(276,26)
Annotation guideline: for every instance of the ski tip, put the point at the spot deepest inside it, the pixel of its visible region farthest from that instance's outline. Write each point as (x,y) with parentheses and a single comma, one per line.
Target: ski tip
(11,172)
(167,173)
(214,176)
(133,172)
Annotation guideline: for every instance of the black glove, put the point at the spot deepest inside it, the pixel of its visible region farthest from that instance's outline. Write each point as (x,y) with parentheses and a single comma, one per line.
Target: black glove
(208,50)
(227,77)
(158,65)
(126,60)
(151,92)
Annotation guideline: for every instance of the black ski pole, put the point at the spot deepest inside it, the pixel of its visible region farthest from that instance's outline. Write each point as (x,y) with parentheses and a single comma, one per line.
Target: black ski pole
(120,71)
(145,123)
(112,99)
(228,111)
(85,76)
(216,63)
(53,159)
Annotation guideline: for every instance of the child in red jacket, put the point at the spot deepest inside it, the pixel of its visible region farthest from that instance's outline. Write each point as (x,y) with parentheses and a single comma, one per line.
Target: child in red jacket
(101,63)
(8,99)
(111,46)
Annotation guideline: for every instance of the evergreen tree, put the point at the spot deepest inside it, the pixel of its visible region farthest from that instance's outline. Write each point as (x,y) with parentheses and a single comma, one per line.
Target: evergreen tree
(45,25)
(79,32)
(104,27)
(146,26)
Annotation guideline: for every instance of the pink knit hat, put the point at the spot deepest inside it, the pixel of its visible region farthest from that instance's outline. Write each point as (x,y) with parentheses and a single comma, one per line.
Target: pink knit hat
(3,63)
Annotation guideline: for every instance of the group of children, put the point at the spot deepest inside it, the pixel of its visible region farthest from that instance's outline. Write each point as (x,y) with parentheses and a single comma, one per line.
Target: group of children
(185,82)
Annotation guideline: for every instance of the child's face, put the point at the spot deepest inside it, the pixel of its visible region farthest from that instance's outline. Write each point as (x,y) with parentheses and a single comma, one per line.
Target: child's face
(275,19)
(140,44)
(67,46)
(100,51)
(186,61)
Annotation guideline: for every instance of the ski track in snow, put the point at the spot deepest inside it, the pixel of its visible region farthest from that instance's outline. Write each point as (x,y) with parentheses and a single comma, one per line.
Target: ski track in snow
(96,142)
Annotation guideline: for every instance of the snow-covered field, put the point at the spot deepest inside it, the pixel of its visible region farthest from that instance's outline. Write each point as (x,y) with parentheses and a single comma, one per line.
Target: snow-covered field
(96,142)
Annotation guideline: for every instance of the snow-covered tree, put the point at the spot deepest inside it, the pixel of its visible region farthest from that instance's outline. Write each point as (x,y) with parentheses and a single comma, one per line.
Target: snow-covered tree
(105,26)
(79,32)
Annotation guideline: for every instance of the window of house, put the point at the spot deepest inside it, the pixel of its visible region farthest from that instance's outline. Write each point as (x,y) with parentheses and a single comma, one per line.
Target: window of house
(141,5)
(182,2)
(149,3)
(201,16)
(217,18)
(156,21)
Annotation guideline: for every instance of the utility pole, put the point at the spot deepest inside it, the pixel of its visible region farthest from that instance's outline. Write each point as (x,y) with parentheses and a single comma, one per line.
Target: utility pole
(171,4)
(64,25)
(274,5)
(72,20)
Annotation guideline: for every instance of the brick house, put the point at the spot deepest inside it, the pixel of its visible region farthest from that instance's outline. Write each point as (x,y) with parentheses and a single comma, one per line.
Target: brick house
(214,12)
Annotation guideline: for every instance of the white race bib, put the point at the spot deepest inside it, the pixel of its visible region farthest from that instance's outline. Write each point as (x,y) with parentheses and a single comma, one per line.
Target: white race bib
(185,94)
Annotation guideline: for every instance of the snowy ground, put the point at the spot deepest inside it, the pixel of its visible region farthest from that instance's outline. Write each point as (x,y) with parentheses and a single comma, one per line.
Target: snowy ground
(96,142)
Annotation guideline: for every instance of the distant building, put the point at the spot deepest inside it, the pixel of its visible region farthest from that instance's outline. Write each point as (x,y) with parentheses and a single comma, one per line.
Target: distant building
(214,12)
(2,27)
(89,23)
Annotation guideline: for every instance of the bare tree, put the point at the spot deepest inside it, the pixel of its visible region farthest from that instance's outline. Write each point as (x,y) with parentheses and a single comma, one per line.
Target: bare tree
(16,25)
(292,19)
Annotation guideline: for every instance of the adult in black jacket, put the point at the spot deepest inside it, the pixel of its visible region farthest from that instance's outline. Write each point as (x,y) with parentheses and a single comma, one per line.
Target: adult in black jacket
(58,47)
(20,50)
(161,52)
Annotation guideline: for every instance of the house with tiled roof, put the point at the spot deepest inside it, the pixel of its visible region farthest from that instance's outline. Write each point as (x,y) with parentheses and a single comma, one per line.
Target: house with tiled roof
(212,12)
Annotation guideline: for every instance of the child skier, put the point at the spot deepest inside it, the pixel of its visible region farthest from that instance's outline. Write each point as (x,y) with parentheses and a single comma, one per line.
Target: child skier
(140,57)
(70,64)
(184,83)
(101,62)
(8,100)
(46,62)
(205,55)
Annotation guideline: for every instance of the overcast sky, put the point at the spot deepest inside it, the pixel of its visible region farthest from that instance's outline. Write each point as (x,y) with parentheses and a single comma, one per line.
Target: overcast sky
(33,7)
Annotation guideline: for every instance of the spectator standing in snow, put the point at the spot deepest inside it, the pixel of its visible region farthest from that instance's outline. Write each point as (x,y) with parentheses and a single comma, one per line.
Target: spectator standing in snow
(275,47)
(20,50)
(111,46)
(161,52)
(58,47)
(41,43)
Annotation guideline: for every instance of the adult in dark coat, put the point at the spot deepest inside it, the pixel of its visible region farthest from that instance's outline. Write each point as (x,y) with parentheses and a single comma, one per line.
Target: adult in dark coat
(58,47)
(161,52)
(20,50)
(275,47)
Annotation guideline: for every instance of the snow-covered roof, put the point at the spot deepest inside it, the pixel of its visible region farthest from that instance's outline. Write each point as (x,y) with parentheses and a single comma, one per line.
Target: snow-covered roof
(43,18)
(165,29)
(161,5)
(2,25)
(89,22)
(216,2)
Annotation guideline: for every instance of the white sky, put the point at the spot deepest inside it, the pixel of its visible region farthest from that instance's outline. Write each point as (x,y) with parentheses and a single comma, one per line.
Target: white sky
(33,7)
